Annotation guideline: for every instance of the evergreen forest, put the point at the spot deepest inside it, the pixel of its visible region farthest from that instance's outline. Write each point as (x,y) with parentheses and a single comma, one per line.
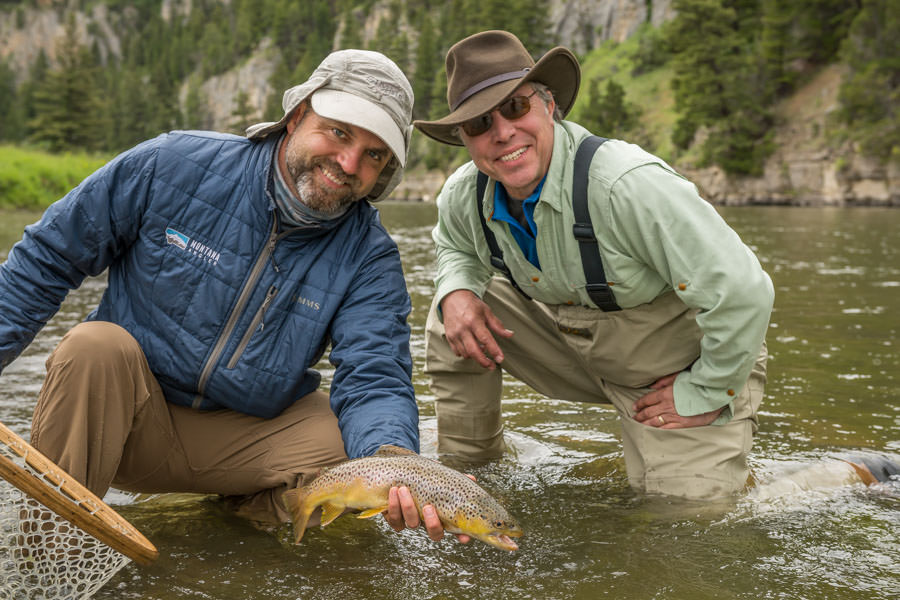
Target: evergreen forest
(727,62)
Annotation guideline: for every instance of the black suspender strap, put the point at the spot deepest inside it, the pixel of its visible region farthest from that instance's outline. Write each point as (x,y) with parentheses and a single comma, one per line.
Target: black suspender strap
(583,229)
(496,253)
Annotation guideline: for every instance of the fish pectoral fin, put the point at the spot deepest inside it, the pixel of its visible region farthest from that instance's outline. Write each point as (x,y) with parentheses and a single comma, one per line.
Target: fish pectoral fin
(371,512)
(330,512)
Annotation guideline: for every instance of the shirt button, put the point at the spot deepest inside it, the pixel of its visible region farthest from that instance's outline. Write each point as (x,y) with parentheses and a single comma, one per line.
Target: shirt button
(682,287)
(731,392)
(569,302)
(535,279)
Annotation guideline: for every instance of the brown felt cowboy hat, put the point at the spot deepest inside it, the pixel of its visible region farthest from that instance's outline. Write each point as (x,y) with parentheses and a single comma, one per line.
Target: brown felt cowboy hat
(485,69)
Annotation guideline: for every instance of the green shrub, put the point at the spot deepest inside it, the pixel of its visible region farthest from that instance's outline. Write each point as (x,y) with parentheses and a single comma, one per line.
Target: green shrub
(34,179)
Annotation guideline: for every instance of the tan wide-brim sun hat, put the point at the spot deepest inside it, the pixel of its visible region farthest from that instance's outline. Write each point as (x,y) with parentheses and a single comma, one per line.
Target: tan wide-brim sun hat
(485,69)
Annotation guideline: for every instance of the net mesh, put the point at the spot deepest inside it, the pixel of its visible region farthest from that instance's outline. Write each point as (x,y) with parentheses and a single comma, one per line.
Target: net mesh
(43,556)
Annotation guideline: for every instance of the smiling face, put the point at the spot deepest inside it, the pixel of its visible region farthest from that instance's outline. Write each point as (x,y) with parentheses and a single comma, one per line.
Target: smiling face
(330,164)
(516,153)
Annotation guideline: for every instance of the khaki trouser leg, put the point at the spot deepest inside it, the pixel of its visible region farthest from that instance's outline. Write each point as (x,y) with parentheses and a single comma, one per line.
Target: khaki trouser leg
(468,396)
(628,347)
(696,462)
(102,417)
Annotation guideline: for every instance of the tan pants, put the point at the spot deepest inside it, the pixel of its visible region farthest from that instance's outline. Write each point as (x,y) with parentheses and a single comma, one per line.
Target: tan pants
(583,354)
(102,417)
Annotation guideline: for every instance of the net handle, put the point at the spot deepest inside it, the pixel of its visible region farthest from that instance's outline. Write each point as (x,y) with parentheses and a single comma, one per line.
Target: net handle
(65,496)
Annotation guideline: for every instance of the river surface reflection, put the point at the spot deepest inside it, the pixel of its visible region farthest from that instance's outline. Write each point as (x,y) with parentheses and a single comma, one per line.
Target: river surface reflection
(833,375)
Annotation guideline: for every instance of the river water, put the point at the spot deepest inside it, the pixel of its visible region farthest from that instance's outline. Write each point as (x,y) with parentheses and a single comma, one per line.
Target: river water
(833,376)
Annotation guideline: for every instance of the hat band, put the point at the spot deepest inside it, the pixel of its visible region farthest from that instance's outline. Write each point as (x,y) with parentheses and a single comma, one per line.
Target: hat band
(487,83)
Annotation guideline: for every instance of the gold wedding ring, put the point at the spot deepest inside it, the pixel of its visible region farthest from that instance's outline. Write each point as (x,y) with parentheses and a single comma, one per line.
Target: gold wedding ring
(661,420)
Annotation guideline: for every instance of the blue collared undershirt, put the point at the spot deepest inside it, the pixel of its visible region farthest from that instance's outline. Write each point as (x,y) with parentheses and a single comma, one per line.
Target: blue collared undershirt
(525,237)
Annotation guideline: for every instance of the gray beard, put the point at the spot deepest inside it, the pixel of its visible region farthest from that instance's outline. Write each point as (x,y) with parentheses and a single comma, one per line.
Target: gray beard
(321,202)
(295,213)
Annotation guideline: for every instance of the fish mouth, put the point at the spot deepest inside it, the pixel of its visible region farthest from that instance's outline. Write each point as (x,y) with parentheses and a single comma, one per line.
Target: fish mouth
(502,541)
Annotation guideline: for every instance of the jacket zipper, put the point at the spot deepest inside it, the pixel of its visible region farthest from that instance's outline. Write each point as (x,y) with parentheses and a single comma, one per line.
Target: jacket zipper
(244,297)
(256,324)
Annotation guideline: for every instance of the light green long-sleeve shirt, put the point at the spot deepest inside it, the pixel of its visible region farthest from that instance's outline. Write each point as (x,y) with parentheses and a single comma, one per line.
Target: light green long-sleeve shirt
(655,234)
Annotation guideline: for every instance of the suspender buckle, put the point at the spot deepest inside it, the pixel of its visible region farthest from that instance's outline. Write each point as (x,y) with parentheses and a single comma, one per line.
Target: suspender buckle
(602,296)
(498,264)
(584,232)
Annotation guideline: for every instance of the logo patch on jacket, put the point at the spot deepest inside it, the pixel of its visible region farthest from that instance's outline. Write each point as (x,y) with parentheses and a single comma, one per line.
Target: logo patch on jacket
(176,238)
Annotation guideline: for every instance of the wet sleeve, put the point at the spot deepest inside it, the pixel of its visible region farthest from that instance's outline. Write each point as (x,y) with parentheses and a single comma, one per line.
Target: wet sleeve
(662,220)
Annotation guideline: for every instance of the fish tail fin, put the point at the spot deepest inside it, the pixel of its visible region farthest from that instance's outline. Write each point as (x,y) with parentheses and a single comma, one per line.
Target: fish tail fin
(296,502)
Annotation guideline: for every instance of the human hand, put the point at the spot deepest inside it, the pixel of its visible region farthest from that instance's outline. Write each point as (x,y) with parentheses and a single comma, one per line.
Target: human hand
(468,325)
(402,513)
(657,408)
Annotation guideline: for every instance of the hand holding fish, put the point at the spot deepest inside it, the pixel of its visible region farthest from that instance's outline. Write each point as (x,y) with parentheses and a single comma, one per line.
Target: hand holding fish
(657,408)
(402,513)
(366,484)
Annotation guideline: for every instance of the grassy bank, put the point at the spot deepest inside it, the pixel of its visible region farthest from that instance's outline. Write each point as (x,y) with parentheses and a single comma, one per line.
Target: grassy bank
(35,179)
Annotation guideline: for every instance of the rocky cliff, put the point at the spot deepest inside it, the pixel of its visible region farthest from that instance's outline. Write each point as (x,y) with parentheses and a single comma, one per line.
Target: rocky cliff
(583,25)
(807,167)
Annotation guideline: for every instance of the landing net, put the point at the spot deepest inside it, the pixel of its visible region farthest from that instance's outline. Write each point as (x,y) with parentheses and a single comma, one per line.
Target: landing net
(58,541)
(43,556)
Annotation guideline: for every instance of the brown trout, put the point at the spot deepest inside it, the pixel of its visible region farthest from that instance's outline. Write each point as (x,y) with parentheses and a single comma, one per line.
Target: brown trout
(363,484)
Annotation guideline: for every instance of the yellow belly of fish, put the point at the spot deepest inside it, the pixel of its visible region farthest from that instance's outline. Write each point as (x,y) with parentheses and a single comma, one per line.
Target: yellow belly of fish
(334,500)
(356,496)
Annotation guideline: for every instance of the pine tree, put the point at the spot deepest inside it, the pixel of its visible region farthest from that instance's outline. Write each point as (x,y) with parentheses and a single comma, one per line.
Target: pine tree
(818,28)
(775,47)
(68,105)
(243,113)
(531,23)
(438,155)
(717,83)
(797,37)
(428,61)
(37,75)
(134,110)
(195,115)
(870,94)
(351,35)
(10,107)
(389,38)
(609,114)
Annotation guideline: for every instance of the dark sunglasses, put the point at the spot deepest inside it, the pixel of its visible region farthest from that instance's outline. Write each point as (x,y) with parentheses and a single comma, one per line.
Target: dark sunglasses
(514,108)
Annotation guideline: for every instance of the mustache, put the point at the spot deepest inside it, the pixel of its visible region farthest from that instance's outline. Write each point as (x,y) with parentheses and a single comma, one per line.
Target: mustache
(335,168)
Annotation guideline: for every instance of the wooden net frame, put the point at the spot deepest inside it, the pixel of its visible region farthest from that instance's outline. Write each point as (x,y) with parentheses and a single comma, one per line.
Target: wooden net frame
(57,539)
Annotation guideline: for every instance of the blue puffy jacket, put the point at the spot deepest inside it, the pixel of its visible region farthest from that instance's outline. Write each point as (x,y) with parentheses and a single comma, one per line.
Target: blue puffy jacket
(230,310)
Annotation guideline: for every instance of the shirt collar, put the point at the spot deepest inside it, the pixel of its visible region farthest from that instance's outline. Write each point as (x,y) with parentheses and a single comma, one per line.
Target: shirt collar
(555,179)
(501,202)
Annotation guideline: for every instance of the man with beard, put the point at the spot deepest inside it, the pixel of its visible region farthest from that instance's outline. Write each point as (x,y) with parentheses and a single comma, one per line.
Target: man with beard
(233,263)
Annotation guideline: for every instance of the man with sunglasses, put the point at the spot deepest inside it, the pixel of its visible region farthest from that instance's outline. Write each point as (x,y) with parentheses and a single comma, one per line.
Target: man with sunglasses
(676,340)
